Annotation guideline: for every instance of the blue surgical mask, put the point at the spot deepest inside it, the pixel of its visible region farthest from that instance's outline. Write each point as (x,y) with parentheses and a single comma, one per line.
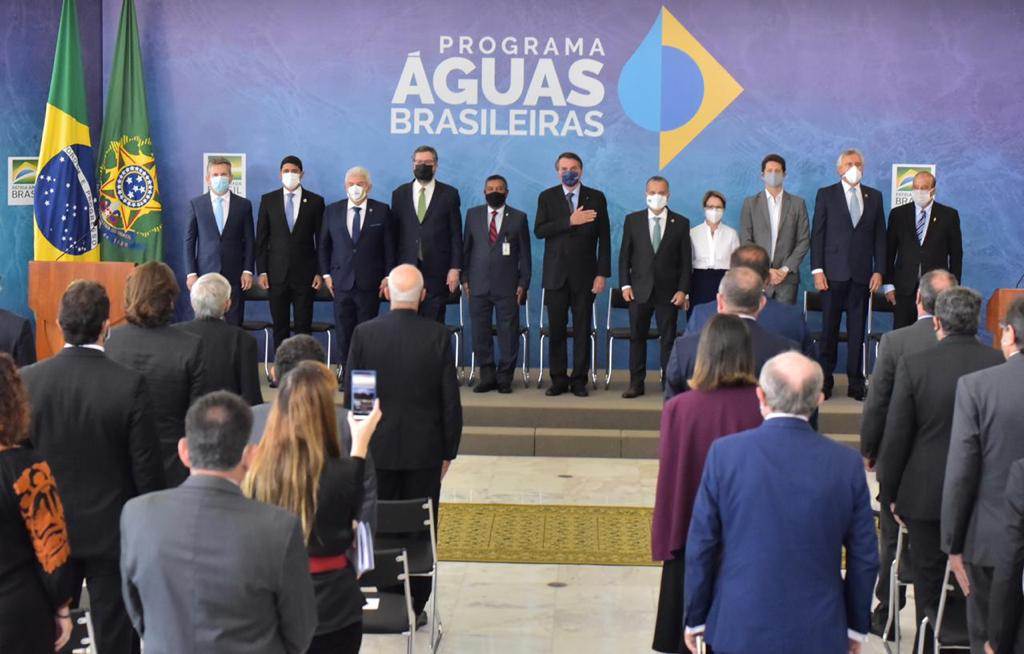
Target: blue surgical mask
(570,177)
(773,179)
(219,184)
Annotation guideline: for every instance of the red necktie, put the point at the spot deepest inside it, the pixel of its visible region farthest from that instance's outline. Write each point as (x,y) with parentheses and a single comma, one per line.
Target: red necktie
(492,233)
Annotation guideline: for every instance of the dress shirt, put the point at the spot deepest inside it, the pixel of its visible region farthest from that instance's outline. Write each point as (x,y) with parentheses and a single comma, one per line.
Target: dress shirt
(774,220)
(295,202)
(846,195)
(416,187)
(91,346)
(575,194)
(497,218)
(711,251)
(890,288)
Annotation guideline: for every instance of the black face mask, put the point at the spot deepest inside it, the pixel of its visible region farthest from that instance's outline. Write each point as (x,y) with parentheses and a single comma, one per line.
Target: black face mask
(495,199)
(423,172)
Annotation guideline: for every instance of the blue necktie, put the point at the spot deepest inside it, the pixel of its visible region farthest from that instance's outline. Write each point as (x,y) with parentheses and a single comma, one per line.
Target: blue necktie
(289,209)
(218,214)
(922,222)
(355,224)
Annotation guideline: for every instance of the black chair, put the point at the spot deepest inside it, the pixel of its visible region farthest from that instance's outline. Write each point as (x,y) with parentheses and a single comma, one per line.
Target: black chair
(878,304)
(257,293)
(389,612)
(456,330)
(317,327)
(82,637)
(524,337)
(812,302)
(611,334)
(570,332)
(948,621)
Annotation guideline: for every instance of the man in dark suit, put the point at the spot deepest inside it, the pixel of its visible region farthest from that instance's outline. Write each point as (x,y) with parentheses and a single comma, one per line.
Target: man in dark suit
(893,347)
(219,236)
(16,338)
(496,276)
(741,294)
(985,440)
(1006,603)
(655,261)
(229,352)
(913,458)
(923,235)
(236,579)
(847,261)
(573,221)
(357,251)
(419,436)
(91,420)
(286,249)
(775,509)
(429,219)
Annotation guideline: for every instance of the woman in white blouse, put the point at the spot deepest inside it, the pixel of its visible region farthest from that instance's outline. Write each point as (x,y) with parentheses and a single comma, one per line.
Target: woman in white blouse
(713,245)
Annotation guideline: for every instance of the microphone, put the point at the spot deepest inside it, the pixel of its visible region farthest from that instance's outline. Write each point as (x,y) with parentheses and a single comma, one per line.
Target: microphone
(1019,280)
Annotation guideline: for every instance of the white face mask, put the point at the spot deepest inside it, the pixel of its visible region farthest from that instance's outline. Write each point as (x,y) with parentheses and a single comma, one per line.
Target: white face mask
(922,197)
(657,201)
(356,193)
(713,216)
(290,180)
(852,175)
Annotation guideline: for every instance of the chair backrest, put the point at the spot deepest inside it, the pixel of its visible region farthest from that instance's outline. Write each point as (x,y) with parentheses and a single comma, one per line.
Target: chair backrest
(391,568)
(454,297)
(544,311)
(615,301)
(812,302)
(879,304)
(322,294)
(256,293)
(403,516)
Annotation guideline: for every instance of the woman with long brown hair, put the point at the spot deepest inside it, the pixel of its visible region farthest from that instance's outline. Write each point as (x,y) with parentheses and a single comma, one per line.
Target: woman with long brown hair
(299,466)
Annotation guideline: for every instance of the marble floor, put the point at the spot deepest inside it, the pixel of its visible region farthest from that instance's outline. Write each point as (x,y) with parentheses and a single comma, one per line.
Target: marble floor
(556,609)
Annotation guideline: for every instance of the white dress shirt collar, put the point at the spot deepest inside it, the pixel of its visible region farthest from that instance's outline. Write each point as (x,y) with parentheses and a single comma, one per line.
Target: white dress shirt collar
(91,346)
(847,188)
(226,206)
(779,414)
(295,201)
(497,217)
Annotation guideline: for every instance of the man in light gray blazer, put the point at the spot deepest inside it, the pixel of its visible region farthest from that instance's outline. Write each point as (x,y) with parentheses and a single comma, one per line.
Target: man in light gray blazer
(204,569)
(987,437)
(777,221)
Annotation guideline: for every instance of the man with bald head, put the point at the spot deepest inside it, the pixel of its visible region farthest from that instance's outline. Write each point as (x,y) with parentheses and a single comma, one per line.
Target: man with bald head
(776,507)
(419,434)
(923,235)
(741,293)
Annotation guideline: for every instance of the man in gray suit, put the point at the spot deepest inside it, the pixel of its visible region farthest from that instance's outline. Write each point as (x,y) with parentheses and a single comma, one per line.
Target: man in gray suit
(496,267)
(204,569)
(986,438)
(777,221)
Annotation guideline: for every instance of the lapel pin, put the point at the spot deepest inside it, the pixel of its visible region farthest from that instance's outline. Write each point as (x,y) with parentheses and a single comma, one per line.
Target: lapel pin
(304,200)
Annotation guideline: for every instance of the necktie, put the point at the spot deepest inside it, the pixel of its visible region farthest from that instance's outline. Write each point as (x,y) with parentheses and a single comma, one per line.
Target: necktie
(922,222)
(421,204)
(289,210)
(568,198)
(656,236)
(855,208)
(492,233)
(355,224)
(218,214)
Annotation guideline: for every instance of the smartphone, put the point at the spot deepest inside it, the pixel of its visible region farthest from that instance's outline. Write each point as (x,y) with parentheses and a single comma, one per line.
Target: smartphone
(364,392)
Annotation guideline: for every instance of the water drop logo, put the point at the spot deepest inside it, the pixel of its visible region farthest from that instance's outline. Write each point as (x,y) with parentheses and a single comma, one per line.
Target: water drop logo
(672,85)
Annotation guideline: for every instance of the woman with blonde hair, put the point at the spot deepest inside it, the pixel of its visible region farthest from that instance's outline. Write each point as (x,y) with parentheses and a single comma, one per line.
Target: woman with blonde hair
(299,466)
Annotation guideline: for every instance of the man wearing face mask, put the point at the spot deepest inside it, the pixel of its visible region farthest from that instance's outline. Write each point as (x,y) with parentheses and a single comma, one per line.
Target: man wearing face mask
(286,243)
(495,278)
(219,236)
(428,214)
(713,245)
(655,260)
(847,260)
(923,235)
(357,250)
(573,221)
(777,221)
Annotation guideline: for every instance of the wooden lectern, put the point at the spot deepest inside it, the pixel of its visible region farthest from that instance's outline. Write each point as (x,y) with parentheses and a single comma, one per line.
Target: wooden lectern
(47,281)
(998,304)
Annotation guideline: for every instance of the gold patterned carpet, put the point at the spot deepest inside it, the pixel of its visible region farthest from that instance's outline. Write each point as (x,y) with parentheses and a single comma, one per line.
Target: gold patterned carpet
(533,533)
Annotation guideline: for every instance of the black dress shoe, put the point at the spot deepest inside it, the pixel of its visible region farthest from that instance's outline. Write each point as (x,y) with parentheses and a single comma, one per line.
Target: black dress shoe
(580,391)
(827,392)
(421,619)
(633,391)
(485,387)
(555,390)
(856,392)
(504,388)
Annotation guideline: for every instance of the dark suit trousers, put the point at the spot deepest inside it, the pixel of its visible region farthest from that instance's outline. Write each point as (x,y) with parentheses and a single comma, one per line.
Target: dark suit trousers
(667,316)
(236,314)
(114,631)
(283,296)
(851,298)
(929,567)
(905,311)
(887,552)
(350,309)
(506,322)
(559,302)
(784,292)
(411,485)
(980,578)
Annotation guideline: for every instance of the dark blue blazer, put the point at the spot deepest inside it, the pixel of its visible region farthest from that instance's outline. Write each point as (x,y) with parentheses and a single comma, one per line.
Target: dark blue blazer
(777,317)
(360,266)
(207,250)
(488,272)
(845,253)
(438,237)
(775,508)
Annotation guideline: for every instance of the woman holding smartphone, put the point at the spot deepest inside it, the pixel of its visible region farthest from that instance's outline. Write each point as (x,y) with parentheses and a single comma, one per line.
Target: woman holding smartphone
(299,467)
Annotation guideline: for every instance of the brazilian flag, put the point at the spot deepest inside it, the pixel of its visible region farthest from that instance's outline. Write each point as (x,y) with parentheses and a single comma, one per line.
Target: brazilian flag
(131,224)
(65,206)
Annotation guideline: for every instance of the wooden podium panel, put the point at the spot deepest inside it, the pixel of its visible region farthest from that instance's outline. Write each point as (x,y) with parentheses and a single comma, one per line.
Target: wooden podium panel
(47,281)
(998,304)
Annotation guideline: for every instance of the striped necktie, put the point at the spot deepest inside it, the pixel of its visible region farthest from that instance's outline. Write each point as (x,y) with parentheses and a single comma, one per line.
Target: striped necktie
(492,232)
(922,223)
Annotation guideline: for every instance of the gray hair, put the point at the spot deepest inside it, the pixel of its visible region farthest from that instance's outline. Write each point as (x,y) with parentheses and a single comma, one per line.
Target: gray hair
(218,161)
(217,428)
(927,287)
(791,383)
(210,295)
(958,309)
(847,152)
(358,171)
(742,289)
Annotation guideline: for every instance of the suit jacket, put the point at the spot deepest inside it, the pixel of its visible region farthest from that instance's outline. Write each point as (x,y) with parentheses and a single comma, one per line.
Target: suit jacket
(907,259)
(229,358)
(236,580)
(417,388)
(986,438)
(92,420)
(438,238)
(485,267)
(207,250)
(288,256)
(1006,603)
(894,346)
(357,266)
(683,359)
(655,276)
(16,338)
(913,457)
(776,506)
(173,363)
(573,254)
(777,317)
(845,253)
(794,233)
